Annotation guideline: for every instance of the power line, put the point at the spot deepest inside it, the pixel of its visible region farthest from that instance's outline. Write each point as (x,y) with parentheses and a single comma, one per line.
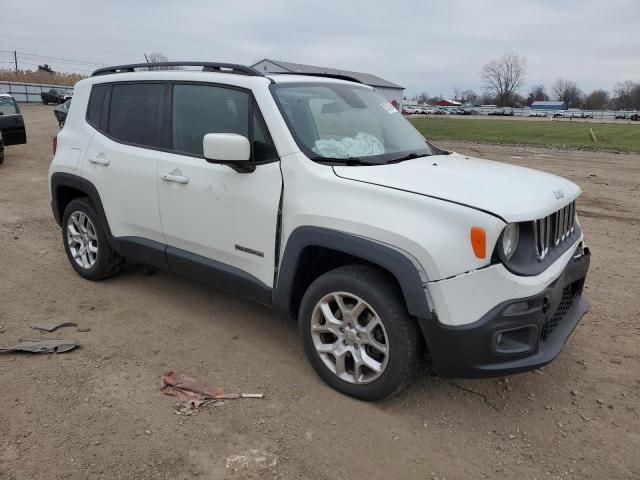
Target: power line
(110,52)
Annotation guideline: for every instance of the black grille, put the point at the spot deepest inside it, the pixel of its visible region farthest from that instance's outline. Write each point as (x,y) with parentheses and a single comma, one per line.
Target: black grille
(563,308)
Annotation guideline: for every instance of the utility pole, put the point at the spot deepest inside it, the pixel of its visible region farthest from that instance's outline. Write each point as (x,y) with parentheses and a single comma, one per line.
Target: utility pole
(15,59)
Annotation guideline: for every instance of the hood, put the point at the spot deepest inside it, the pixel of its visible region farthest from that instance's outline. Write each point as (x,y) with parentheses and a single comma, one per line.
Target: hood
(512,193)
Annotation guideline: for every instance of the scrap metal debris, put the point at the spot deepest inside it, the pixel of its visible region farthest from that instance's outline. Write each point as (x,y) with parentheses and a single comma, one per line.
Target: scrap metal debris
(42,345)
(192,394)
(51,326)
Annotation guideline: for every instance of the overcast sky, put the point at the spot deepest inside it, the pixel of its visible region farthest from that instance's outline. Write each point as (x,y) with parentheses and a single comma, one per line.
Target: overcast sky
(426,46)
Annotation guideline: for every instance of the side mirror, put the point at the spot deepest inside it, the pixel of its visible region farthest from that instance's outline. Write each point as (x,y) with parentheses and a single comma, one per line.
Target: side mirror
(226,147)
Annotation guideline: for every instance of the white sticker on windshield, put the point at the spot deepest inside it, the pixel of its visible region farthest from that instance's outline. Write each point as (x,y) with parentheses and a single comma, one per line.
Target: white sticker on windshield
(388,107)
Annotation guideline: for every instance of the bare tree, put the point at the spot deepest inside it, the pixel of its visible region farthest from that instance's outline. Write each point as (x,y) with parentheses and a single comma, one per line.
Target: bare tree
(503,77)
(469,96)
(423,97)
(536,94)
(626,95)
(597,100)
(567,91)
(157,57)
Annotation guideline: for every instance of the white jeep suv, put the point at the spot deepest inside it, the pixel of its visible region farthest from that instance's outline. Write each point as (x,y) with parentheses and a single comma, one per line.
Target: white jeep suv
(312,194)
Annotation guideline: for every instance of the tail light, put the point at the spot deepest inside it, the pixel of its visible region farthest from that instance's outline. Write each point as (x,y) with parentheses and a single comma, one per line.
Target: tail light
(55,144)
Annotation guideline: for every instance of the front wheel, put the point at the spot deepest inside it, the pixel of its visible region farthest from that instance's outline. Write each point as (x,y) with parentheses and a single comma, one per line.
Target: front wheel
(357,333)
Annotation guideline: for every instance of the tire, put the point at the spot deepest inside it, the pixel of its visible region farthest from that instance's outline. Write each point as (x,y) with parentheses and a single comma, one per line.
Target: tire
(373,292)
(45,102)
(98,265)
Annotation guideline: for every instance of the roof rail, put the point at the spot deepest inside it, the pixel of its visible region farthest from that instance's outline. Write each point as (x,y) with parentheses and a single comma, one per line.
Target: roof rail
(326,75)
(206,67)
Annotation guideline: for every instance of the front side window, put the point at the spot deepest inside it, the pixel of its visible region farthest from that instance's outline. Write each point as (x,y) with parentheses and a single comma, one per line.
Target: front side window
(8,106)
(201,109)
(340,122)
(135,113)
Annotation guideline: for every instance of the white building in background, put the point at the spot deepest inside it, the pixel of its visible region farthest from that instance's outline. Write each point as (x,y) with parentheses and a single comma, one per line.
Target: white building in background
(392,91)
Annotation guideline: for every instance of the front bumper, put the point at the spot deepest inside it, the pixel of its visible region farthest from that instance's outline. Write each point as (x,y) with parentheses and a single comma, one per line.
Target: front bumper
(515,336)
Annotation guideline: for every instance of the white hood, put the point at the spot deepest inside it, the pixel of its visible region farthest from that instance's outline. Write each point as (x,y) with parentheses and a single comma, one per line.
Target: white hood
(513,193)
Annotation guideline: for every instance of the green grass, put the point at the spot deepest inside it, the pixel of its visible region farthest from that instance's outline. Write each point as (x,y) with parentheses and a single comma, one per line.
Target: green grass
(611,136)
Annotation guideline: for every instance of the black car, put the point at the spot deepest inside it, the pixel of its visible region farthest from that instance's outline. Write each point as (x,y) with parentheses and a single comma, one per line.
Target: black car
(61,111)
(12,131)
(55,95)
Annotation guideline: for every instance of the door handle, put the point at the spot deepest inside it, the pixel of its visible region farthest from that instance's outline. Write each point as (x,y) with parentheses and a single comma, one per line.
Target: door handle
(168,177)
(99,160)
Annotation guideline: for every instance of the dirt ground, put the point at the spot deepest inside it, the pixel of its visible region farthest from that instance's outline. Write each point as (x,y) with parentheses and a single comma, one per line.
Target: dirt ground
(97,412)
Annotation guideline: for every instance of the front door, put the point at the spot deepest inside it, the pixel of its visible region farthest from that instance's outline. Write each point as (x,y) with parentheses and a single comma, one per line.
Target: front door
(212,214)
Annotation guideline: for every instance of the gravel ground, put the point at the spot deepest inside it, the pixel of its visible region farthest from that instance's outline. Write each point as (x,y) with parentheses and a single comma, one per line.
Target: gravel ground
(97,412)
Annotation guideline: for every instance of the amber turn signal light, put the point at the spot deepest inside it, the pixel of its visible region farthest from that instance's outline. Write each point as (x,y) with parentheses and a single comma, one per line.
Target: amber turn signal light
(479,241)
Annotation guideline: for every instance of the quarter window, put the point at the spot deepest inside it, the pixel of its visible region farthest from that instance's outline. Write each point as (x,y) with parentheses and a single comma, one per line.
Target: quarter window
(135,113)
(96,100)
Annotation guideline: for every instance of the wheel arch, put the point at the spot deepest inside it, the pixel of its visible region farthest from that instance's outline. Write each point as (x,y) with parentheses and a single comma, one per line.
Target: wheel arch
(65,187)
(312,251)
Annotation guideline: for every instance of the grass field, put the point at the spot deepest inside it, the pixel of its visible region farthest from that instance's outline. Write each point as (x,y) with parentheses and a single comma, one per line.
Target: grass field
(610,136)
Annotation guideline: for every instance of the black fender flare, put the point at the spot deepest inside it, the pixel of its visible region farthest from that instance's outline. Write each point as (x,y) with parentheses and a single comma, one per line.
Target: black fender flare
(61,179)
(392,260)
(134,249)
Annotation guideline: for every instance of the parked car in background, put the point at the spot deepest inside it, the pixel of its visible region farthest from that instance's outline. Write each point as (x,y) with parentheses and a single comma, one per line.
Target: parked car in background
(409,110)
(11,123)
(425,110)
(61,111)
(56,96)
(537,113)
(496,111)
(620,116)
(635,117)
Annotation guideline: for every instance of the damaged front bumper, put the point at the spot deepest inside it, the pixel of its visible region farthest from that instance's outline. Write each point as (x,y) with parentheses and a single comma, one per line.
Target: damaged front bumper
(516,335)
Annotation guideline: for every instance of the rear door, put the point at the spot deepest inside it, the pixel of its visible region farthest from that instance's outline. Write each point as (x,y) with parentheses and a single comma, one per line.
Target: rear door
(122,158)
(11,122)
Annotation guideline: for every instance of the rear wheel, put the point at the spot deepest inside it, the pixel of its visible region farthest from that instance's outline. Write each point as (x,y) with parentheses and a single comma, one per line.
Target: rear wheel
(86,244)
(357,334)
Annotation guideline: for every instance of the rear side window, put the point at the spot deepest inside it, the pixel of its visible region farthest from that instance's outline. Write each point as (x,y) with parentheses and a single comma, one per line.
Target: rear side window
(96,100)
(135,113)
(201,109)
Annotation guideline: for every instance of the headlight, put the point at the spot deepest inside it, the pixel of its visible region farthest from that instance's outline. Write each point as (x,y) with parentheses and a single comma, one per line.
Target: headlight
(510,237)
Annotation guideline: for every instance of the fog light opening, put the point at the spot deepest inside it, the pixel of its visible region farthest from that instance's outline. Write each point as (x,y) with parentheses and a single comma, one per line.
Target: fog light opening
(516,340)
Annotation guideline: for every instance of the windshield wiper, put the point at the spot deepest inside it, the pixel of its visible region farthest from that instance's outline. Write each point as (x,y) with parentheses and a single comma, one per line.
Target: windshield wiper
(410,156)
(345,160)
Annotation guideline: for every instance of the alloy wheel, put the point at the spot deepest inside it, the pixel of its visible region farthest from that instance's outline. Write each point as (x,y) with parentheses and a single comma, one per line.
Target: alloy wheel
(82,240)
(350,338)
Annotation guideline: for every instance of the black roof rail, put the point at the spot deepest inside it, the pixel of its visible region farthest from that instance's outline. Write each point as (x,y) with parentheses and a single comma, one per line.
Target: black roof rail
(206,67)
(327,75)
